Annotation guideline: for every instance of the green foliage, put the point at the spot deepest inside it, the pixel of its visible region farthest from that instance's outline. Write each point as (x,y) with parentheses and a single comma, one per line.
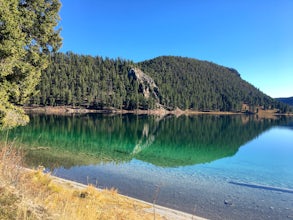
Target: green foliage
(288,101)
(91,82)
(27,37)
(94,82)
(204,86)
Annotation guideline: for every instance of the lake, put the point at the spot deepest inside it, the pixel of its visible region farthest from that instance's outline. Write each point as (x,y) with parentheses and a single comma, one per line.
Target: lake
(217,167)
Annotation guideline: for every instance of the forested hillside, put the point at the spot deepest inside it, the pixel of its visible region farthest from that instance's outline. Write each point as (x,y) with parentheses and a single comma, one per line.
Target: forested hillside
(91,82)
(168,82)
(288,101)
(201,85)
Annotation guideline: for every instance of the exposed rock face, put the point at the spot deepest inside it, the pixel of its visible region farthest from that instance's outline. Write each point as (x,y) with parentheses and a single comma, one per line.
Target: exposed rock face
(146,83)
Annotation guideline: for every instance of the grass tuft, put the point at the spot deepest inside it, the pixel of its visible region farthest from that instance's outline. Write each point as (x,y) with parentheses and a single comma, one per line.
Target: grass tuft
(26,194)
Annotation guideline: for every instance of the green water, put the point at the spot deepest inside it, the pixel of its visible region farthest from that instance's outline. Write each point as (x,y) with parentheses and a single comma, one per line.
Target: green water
(198,162)
(165,142)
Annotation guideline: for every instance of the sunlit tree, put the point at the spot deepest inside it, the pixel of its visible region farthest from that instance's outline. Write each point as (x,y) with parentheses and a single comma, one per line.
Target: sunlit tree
(28,35)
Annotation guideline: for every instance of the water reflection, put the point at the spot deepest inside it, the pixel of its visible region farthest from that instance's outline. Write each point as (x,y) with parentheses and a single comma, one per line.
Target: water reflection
(170,141)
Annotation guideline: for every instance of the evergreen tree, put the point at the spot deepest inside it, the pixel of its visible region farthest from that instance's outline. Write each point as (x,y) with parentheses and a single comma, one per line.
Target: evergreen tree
(27,37)
(98,83)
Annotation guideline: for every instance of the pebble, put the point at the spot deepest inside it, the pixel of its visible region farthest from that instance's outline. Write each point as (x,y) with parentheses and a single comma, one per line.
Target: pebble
(228,202)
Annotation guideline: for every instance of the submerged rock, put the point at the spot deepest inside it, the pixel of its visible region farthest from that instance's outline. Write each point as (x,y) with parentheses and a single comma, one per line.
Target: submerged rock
(228,202)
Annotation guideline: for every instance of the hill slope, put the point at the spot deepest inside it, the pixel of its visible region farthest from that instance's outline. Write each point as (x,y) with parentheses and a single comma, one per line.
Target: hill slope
(288,101)
(165,82)
(192,84)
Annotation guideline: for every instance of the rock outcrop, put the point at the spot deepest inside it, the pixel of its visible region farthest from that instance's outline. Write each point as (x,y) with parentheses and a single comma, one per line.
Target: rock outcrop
(146,83)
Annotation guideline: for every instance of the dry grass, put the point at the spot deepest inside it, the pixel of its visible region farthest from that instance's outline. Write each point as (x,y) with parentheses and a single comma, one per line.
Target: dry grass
(34,195)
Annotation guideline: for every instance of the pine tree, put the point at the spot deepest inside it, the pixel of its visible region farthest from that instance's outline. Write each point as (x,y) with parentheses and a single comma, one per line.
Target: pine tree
(27,37)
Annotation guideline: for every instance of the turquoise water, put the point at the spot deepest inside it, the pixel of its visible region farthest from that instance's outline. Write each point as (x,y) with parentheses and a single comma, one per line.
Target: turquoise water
(218,167)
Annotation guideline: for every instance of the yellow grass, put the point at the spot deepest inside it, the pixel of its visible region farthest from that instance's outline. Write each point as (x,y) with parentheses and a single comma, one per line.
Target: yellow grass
(34,195)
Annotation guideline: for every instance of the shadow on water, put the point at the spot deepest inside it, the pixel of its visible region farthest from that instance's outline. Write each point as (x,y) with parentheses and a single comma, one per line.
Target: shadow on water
(66,141)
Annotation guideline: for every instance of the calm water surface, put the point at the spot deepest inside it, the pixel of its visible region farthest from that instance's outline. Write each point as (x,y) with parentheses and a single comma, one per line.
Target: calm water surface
(218,167)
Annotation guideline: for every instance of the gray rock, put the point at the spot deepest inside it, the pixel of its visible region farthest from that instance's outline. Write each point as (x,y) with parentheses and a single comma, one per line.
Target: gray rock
(228,202)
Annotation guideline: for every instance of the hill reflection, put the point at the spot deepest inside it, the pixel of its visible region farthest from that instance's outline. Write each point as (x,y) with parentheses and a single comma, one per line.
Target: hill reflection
(170,141)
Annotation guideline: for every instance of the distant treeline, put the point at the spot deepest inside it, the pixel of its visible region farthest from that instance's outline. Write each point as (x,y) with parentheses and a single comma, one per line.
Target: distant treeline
(91,82)
(288,101)
(96,82)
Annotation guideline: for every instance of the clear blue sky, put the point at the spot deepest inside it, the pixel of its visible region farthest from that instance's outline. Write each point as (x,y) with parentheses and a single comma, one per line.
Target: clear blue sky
(253,36)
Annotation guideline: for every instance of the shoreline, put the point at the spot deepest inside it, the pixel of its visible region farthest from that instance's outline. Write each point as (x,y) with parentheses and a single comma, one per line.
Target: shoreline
(57,183)
(165,212)
(68,110)
(76,110)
